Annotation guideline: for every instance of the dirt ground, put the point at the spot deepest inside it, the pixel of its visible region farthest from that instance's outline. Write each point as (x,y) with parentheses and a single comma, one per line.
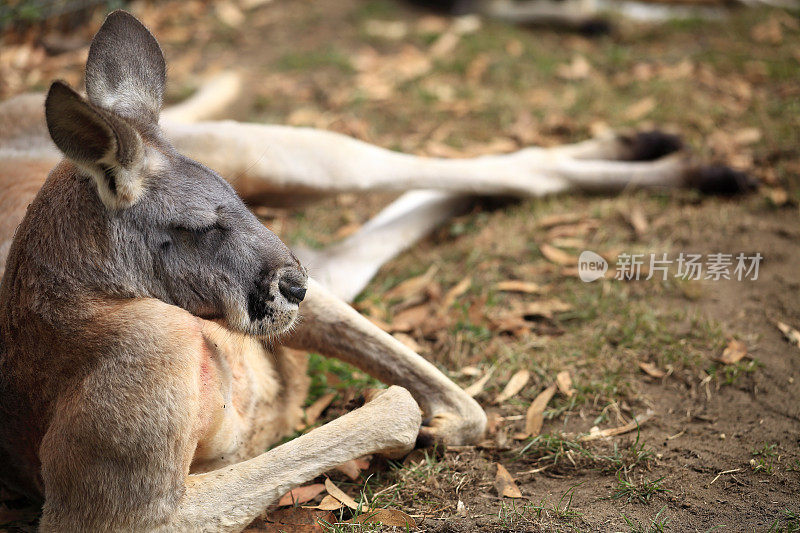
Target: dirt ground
(721,451)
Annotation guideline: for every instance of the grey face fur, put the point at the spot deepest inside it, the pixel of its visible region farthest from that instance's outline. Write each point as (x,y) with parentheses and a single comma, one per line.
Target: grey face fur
(154,223)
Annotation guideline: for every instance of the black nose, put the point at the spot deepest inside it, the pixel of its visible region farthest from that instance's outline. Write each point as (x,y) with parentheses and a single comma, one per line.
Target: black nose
(293,293)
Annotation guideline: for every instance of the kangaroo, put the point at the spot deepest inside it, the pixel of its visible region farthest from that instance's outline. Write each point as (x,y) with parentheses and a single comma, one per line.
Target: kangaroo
(145,312)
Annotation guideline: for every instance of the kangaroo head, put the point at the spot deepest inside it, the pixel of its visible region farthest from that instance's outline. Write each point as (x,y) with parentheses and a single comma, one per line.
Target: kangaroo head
(165,226)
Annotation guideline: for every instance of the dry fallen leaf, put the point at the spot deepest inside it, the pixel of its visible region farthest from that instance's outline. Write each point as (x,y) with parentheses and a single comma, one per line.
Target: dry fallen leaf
(514,285)
(230,14)
(410,287)
(640,109)
(733,352)
(514,385)
(545,308)
(516,317)
(768,32)
(378,75)
(339,494)
(636,218)
(444,44)
(747,136)
(534,419)
(391,30)
(652,370)
(411,318)
(477,387)
(791,334)
(505,484)
(777,195)
(579,229)
(314,410)
(557,256)
(353,468)
(512,323)
(560,219)
(637,422)
(301,494)
(329,503)
(564,384)
(466,24)
(295,520)
(578,69)
(457,290)
(386,517)
(471,371)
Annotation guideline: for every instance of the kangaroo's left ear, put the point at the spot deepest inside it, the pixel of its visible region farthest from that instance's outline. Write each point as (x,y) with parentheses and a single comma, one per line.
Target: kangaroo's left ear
(104,145)
(125,71)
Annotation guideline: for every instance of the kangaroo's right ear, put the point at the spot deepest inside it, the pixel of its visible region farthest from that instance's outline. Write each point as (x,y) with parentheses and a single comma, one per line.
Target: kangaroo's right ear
(103,144)
(125,70)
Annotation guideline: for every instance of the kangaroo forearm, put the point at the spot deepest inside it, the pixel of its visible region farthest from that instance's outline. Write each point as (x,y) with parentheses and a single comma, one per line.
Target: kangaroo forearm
(230,498)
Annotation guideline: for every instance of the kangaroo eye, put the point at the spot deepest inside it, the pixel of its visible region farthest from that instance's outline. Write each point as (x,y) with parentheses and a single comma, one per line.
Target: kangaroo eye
(199,231)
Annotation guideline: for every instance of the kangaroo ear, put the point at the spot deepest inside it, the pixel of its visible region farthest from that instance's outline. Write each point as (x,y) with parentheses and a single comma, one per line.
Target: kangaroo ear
(125,72)
(104,145)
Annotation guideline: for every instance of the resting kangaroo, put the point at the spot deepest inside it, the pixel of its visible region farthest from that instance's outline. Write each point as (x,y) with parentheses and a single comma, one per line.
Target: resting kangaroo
(143,308)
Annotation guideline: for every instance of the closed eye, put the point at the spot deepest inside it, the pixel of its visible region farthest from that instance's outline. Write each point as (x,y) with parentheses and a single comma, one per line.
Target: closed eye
(199,231)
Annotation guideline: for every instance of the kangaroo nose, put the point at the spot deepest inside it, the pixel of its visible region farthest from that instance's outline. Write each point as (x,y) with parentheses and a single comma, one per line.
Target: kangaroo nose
(293,293)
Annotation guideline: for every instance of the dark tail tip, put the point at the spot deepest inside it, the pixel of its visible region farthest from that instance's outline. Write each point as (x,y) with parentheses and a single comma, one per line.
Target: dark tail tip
(651,145)
(721,180)
(425,440)
(595,27)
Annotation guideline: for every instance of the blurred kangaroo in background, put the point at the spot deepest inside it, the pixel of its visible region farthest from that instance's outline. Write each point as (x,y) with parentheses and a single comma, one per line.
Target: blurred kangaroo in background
(144,309)
(592,17)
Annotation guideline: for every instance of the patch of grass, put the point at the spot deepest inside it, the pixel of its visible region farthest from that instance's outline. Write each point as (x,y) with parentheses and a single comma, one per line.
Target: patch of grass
(430,466)
(329,374)
(513,515)
(314,59)
(658,524)
(788,523)
(640,491)
(764,458)
(614,327)
(730,374)
(380,9)
(568,454)
(563,508)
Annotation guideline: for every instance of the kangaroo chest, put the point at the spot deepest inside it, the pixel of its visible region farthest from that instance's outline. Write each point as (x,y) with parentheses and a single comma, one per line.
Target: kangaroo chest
(250,397)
